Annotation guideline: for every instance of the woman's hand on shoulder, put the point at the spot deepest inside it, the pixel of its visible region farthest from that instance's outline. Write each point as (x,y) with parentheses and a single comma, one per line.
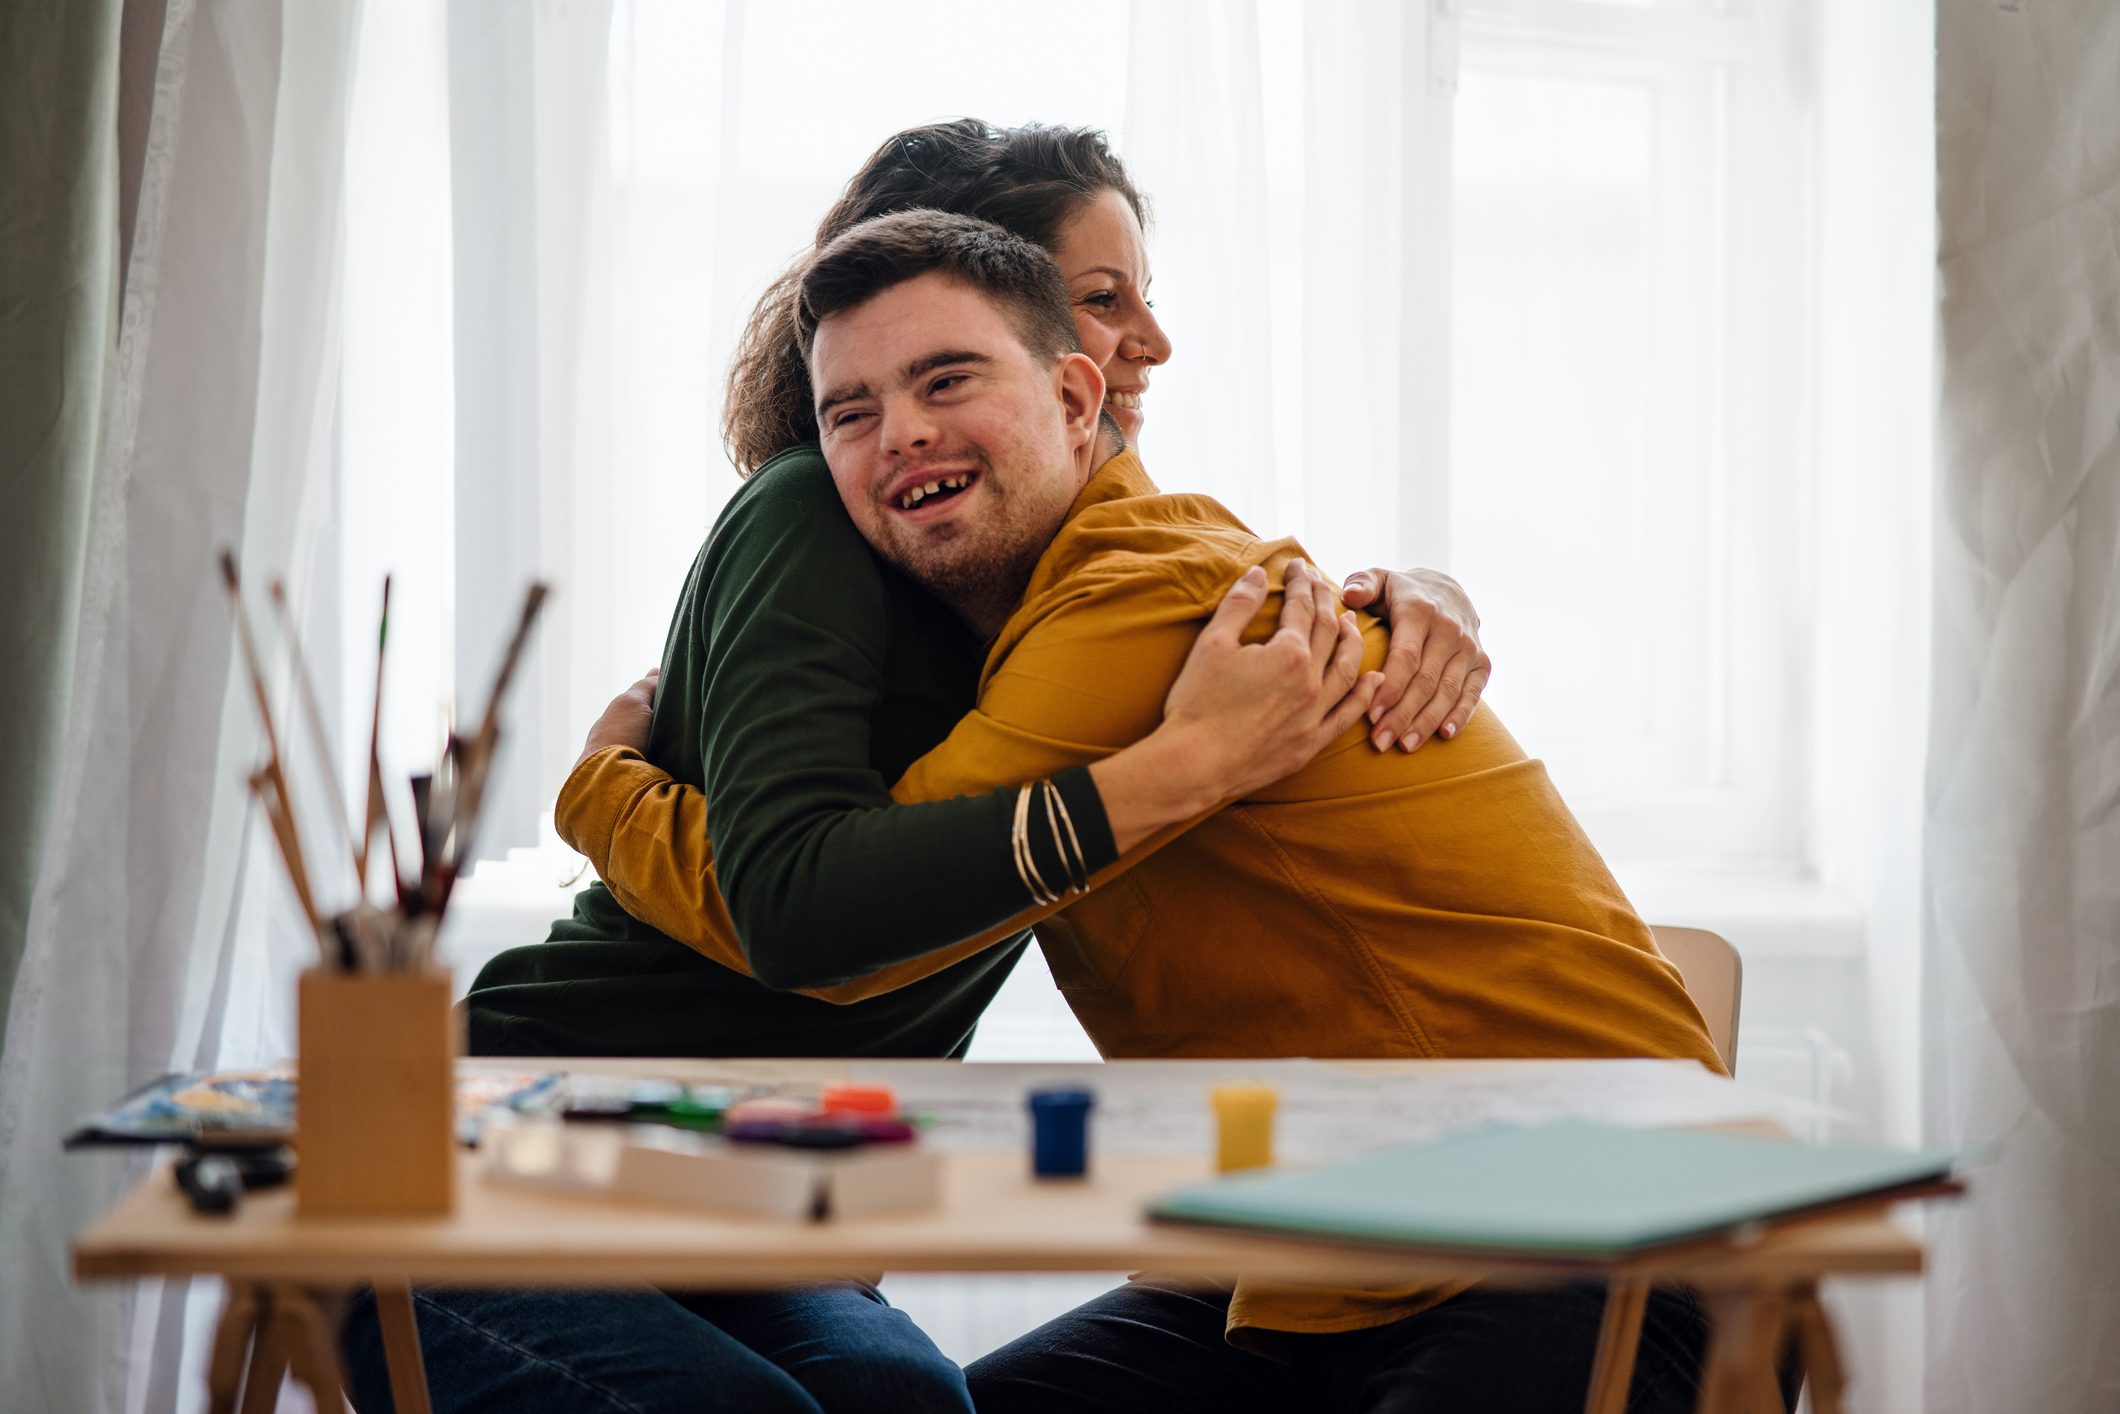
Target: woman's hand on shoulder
(626,721)
(1435,669)
(1258,712)
(1241,716)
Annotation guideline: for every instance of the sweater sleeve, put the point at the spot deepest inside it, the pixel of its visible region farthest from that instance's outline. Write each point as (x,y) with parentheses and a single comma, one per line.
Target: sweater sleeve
(645,833)
(1086,678)
(815,881)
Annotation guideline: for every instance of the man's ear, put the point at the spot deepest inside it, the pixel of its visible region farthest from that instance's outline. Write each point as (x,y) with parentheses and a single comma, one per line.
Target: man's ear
(1081,387)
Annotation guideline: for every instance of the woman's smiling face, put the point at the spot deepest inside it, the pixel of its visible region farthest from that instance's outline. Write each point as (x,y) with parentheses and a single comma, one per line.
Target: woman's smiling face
(1104,256)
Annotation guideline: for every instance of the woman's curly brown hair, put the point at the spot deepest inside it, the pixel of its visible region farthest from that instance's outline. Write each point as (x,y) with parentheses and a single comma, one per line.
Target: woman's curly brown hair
(1028,180)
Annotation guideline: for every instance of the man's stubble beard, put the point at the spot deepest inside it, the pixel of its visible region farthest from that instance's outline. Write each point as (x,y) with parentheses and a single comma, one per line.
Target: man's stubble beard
(983,590)
(979,570)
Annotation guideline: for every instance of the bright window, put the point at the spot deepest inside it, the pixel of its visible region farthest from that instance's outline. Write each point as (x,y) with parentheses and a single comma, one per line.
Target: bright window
(1588,399)
(1625,294)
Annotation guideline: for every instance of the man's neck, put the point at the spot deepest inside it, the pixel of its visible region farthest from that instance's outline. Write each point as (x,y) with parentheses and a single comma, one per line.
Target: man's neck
(986,609)
(990,614)
(1108,443)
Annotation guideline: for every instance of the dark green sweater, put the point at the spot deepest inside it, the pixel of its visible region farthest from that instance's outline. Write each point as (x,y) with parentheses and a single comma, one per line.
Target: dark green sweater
(800,677)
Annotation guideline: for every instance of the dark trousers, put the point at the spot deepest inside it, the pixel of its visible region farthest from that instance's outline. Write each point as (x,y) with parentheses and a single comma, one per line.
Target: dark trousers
(1159,1347)
(818,1349)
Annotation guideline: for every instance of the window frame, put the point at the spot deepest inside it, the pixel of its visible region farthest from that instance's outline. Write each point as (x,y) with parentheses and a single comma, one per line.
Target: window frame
(1743,726)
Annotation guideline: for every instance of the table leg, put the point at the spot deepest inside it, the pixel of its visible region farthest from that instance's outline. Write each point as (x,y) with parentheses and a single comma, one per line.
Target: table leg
(311,1345)
(1821,1353)
(231,1344)
(1617,1340)
(1744,1339)
(268,1368)
(401,1347)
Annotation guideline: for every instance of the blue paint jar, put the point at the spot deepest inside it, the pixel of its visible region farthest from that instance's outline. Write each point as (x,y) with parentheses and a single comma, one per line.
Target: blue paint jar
(1060,1131)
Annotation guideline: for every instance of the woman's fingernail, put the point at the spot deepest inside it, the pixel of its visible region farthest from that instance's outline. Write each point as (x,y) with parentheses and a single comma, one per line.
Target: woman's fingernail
(1255,575)
(1384,739)
(1449,731)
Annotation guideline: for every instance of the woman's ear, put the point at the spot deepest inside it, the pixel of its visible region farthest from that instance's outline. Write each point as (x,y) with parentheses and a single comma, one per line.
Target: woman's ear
(1081,386)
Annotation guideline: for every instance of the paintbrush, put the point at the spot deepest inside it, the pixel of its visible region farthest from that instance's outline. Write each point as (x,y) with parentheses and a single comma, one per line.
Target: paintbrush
(473,760)
(475,757)
(306,690)
(431,796)
(378,810)
(444,840)
(422,820)
(489,726)
(278,807)
(274,804)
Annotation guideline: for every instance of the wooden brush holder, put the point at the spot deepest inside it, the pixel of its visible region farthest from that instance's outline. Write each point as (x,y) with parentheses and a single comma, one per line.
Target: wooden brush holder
(375,1118)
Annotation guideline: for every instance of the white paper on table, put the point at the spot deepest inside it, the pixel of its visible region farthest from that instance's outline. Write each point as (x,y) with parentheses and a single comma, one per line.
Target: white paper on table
(1326,1113)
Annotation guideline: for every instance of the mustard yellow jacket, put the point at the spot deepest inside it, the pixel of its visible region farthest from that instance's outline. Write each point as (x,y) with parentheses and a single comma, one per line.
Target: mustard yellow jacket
(1439,904)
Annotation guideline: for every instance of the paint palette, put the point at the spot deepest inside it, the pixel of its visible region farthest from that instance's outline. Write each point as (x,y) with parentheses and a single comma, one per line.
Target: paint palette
(659,1164)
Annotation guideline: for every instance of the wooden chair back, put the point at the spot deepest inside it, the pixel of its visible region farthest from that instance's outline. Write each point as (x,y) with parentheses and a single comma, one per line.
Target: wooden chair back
(1714,976)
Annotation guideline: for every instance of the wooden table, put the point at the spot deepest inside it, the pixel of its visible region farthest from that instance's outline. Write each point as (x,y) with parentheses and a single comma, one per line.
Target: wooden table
(288,1276)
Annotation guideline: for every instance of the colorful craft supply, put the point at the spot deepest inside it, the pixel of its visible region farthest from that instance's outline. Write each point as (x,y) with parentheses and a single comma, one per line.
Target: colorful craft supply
(840,1131)
(859,1099)
(701,1107)
(212,1183)
(777,1109)
(819,1132)
(799,1181)
(1060,1131)
(1243,1126)
(880,1130)
(615,1108)
(691,1112)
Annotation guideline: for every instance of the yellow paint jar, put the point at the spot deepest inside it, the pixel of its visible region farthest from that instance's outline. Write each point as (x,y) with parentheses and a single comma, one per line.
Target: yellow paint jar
(1243,1126)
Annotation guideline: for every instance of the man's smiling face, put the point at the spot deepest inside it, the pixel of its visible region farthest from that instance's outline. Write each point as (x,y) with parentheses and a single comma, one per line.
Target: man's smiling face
(955,449)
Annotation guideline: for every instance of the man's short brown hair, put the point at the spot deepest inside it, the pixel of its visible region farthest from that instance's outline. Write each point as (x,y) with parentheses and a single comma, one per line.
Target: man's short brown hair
(1016,274)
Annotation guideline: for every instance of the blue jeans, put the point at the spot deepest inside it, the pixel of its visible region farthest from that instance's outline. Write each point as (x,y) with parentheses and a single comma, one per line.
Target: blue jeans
(1156,1345)
(807,1350)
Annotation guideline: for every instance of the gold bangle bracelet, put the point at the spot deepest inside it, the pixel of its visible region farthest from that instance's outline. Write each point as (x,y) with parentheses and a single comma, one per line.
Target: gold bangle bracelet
(1026,863)
(1077,865)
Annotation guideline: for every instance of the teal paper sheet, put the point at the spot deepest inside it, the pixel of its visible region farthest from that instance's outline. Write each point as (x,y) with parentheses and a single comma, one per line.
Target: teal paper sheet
(1572,1189)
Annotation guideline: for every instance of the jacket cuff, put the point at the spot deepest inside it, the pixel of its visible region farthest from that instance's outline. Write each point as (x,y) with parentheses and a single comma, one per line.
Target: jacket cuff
(596,793)
(1085,809)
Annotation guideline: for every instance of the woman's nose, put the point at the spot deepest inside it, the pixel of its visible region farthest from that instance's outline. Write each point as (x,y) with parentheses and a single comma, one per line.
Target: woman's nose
(1145,341)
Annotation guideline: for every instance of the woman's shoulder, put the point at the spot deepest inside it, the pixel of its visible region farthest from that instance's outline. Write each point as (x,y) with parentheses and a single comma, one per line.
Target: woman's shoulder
(798,474)
(787,517)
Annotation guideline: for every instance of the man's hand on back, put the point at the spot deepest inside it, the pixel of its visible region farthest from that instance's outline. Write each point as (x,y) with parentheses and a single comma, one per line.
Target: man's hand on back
(1435,670)
(625,722)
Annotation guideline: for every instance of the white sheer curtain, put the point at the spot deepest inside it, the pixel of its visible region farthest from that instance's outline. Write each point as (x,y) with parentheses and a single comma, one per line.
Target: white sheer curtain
(1874,410)
(2022,1005)
(1296,158)
(157,937)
